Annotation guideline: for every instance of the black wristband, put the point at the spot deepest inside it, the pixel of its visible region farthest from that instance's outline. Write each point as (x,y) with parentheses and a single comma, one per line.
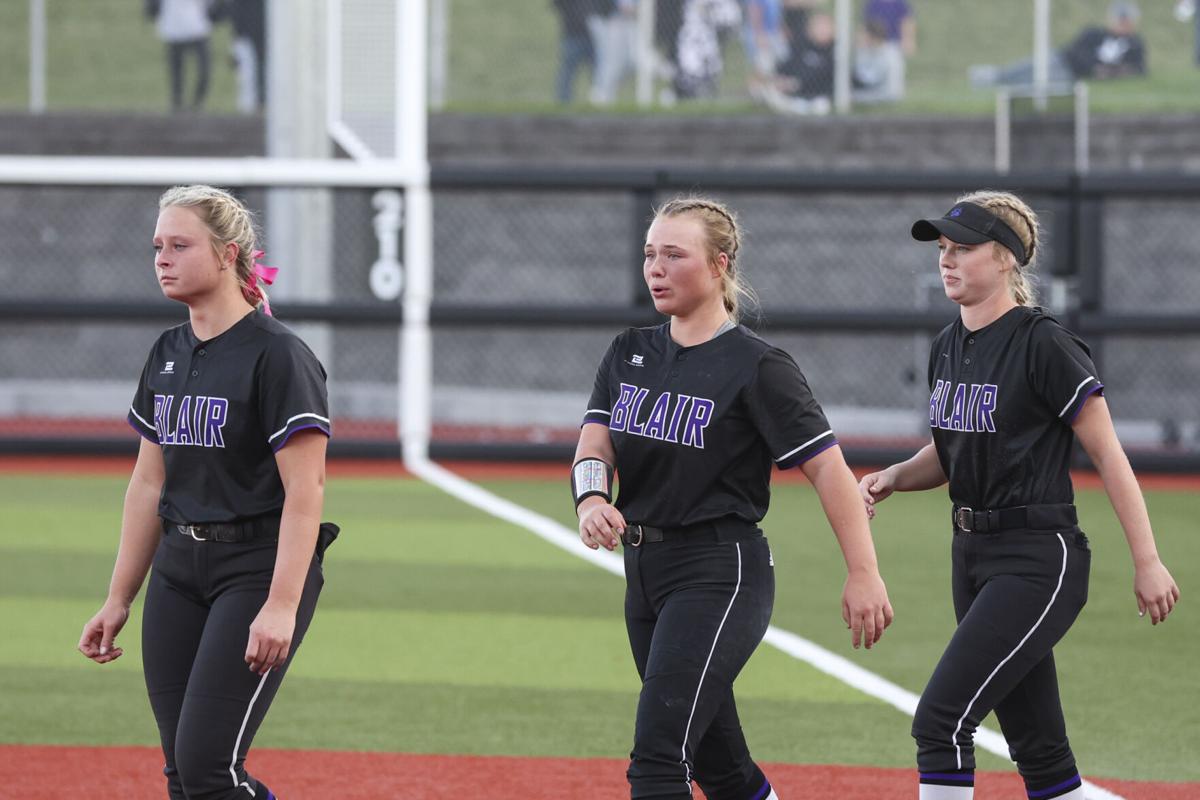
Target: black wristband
(591,477)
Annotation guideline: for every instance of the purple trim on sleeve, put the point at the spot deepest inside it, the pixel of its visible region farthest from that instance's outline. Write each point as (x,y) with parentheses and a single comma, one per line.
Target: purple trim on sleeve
(594,419)
(293,431)
(137,426)
(1097,389)
(795,462)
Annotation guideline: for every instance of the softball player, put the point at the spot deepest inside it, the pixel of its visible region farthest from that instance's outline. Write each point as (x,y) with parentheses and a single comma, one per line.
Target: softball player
(692,414)
(1010,390)
(225,501)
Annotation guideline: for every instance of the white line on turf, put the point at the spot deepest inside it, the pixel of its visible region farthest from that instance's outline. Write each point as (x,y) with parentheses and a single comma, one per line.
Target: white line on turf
(796,646)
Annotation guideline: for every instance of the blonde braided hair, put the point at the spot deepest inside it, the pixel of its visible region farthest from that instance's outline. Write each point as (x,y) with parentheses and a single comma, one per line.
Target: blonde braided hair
(721,235)
(1022,281)
(227,220)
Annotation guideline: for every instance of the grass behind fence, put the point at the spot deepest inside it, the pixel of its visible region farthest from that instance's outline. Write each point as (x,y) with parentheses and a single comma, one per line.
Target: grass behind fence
(105,55)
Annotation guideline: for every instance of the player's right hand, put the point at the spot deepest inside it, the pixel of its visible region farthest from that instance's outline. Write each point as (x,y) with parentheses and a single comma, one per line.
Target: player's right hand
(876,486)
(600,524)
(98,641)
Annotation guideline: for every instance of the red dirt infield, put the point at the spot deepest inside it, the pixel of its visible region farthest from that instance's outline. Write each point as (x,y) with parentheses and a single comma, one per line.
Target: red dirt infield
(132,773)
(485,470)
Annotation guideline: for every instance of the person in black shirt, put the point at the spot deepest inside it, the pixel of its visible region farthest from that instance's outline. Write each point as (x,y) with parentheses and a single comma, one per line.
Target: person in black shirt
(692,414)
(225,501)
(1010,390)
(1098,52)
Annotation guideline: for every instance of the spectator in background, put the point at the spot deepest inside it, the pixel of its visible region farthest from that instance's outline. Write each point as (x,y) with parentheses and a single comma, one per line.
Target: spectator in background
(575,46)
(893,21)
(808,71)
(698,51)
(1098,53)
(248,18)
(874,79)
(766,46)
(668,21)
(614,38)
(184,26)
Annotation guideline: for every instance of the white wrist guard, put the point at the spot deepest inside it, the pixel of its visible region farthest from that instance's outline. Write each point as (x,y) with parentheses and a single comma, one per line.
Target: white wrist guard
(589,477)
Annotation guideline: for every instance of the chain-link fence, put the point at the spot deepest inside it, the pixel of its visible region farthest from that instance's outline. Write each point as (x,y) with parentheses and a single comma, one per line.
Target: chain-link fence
(913,55)
(532,283)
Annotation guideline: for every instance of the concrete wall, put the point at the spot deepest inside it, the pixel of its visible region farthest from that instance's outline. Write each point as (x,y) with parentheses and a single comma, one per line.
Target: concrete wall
(1164,142)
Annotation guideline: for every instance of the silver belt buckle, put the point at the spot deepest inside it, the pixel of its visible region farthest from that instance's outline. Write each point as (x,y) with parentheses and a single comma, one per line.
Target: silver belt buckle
(964,519)
(641,536)
(190,530)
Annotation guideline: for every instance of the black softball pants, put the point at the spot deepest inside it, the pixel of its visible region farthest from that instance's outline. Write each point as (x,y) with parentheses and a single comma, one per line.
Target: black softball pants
(1016,593)
(200,602)
(695,611)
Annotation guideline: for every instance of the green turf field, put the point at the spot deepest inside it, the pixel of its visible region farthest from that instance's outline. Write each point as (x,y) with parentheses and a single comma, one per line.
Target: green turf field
(103,54)
(444,631)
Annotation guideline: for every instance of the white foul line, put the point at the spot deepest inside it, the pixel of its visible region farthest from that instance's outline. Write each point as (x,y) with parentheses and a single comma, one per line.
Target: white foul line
(795,646)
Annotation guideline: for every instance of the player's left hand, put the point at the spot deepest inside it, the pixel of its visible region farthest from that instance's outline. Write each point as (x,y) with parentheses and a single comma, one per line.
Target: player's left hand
(270,638)
(1155,591)
(865,607)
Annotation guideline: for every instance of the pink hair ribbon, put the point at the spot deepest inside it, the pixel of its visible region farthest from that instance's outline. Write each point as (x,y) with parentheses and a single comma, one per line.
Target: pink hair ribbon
(265,274)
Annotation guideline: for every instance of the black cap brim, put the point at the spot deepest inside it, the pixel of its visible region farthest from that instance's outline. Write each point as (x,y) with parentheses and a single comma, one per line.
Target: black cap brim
(928,230)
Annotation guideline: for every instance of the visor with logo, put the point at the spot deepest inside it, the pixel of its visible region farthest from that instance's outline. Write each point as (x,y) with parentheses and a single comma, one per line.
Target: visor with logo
(968,223)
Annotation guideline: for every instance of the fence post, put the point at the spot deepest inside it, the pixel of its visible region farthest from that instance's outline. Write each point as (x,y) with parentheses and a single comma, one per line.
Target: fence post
(37,56)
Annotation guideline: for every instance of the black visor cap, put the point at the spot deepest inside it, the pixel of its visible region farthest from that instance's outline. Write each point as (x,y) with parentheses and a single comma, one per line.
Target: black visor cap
(968,223)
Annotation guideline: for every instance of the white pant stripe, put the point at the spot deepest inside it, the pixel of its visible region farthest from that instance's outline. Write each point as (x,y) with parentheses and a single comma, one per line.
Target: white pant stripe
(1007,658)
(242,730)
(703,672)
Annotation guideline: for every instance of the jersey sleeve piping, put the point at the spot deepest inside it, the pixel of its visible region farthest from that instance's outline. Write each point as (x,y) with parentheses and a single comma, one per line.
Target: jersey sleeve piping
(319,422)
(1091,390)
(792,457)
(596,415)
(1075,396)
(322,428)
(142,426)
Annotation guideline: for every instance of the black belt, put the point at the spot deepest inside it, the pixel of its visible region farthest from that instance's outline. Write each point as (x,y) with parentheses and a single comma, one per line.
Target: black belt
(1046,516)
(636,535)
(241,531)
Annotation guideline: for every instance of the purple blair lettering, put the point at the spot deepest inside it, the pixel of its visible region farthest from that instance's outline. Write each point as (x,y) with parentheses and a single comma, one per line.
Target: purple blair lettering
(960,402)
(634,408)
(218,410)
(183,424)
(972,408)
(933,402)
(943,420)
(160,425)
(168,435)
(620,413)
(698,419)
(199,415)
(987,405)
(673,429)
(657,420)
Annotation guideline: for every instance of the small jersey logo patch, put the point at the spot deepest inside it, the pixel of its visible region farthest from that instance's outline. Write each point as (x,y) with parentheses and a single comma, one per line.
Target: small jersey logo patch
(168,368)
(636,361)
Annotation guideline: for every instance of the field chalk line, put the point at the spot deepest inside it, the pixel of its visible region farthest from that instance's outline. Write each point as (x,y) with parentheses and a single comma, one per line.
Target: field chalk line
(795,646)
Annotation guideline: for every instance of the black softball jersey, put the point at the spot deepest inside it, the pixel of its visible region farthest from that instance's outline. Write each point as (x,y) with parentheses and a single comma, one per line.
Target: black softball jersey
(696,429)
(220,409)
(1002,400)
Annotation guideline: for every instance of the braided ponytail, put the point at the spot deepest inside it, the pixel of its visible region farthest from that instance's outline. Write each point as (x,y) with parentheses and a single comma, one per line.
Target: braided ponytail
(1022,281)
(721,235)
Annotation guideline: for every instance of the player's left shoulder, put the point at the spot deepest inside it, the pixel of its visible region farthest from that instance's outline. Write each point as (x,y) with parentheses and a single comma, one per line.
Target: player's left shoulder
(280,343)
(1048,335)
